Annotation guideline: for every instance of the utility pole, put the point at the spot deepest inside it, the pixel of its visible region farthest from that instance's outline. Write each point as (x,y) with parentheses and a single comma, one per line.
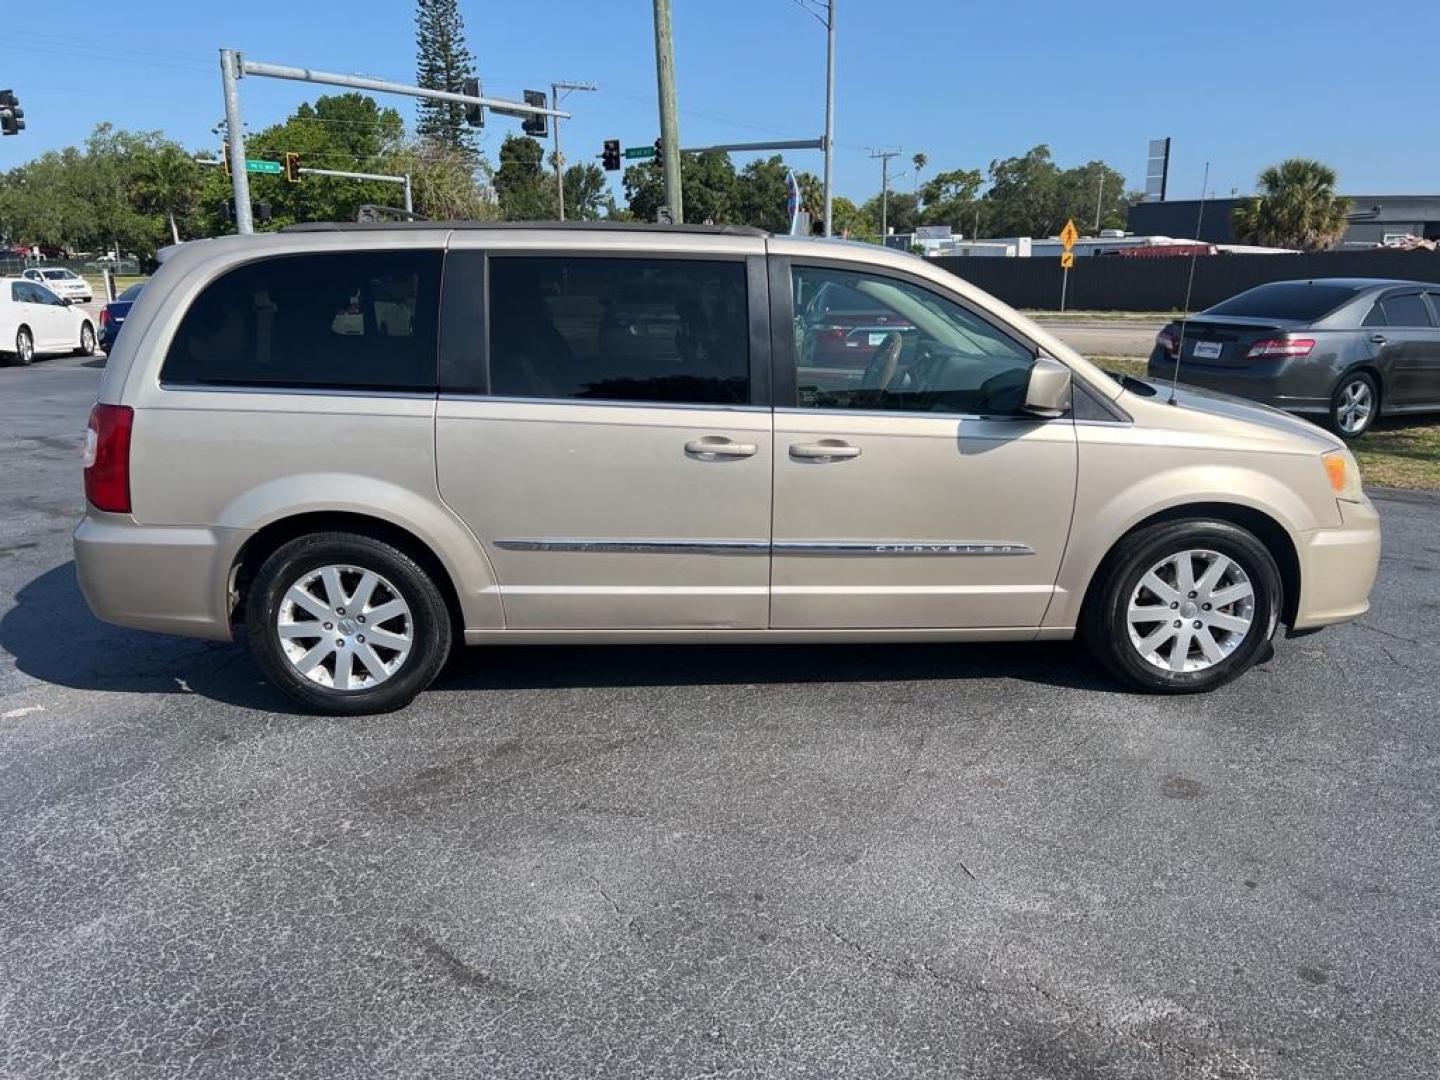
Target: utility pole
(235,133)
(829,114)
(555,91)
(1099,195)
(669,121)
(884,156)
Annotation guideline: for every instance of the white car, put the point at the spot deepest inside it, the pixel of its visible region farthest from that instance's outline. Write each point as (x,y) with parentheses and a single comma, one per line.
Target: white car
(35,322)
(63,283)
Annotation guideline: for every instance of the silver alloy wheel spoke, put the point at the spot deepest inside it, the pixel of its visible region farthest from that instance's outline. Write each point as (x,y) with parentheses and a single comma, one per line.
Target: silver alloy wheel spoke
(329,626)
(1190,611)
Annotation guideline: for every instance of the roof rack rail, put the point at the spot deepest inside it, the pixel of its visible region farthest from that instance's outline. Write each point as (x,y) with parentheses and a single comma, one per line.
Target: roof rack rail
(555,226)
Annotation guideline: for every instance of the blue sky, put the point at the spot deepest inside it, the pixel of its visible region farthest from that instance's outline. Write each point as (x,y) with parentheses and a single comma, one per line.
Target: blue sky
(966,81)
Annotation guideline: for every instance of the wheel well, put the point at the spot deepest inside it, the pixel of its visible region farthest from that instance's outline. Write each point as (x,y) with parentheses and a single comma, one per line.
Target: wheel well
(1265,529)
(272,537)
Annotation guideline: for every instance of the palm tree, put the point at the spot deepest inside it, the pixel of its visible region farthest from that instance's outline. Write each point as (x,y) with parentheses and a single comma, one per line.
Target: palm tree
(919,161)
(166,181)
(1297,207)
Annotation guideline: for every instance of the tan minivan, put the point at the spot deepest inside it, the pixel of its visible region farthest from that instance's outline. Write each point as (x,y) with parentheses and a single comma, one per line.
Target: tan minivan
(360,444)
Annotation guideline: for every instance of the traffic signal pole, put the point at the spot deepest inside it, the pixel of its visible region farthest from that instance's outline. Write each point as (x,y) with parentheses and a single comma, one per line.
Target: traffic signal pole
(235,137)
(233,67)
(829,115)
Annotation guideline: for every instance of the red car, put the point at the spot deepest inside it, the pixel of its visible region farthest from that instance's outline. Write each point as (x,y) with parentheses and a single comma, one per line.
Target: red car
(841,329)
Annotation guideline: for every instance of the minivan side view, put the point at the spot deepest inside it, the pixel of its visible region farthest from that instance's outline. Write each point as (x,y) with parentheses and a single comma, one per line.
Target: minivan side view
(357,446)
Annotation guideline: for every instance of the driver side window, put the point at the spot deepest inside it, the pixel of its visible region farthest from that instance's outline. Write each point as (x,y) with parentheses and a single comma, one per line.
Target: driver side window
(863,341)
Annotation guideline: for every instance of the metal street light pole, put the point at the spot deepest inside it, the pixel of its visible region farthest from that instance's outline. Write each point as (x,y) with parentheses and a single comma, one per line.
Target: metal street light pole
(669,121)
(235,132)
(555,89)
(829,114)
(884,156)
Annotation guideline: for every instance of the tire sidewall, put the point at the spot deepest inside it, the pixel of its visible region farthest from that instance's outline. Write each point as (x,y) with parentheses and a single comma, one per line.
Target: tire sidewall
(1229,540)
(432,631)
(21,357)
(1352,377)
(87,349)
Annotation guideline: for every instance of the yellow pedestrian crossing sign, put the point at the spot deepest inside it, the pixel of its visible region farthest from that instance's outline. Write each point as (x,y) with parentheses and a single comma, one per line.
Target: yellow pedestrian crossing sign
(1069,235)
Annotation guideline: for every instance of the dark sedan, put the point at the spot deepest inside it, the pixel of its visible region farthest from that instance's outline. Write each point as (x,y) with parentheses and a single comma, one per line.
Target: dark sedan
(1344,350)
(112,315)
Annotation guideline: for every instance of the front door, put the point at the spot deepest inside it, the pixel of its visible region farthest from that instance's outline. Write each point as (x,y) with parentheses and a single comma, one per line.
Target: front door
(49,319)
(910,490)
(616,462)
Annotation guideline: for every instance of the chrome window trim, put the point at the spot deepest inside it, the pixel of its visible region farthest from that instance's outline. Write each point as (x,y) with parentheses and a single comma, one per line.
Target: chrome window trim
(293,391)
(642,545)
(451,395)
(908,414)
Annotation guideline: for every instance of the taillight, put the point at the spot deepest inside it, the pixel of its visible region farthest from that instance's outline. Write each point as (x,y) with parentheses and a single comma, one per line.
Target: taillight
(1168,342)
(107,458)
(1286,346)
(829,332)
(104,316)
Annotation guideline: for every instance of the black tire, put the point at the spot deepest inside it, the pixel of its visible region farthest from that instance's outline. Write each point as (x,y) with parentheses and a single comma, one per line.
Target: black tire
(87,340)
(429,622)
(24,347)
(1105,626)
(1341,418)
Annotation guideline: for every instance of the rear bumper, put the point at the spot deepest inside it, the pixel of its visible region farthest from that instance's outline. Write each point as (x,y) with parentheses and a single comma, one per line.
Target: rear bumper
(167,579)
(1338,567)
(1278,383)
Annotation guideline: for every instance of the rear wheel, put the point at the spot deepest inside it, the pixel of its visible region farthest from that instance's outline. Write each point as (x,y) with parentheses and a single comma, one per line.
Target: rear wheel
(87,340)
(346,625)
(1184,606)
(1354,405)
(24,347)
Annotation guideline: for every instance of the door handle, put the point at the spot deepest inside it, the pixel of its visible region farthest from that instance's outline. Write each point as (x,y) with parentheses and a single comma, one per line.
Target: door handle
(1378,339)
(827,450)
(711,448)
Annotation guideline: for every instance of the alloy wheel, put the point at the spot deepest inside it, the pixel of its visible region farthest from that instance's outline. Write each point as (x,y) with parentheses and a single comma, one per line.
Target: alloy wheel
(87,339)
(1357,402)
(1190,611)
(344,627)
(24,346)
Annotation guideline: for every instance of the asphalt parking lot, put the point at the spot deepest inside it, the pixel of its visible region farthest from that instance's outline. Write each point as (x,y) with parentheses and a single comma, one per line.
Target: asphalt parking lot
(790,861)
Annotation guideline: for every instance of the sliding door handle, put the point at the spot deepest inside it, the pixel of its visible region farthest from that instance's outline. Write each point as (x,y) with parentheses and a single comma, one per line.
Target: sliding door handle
(828,450)
(712,447)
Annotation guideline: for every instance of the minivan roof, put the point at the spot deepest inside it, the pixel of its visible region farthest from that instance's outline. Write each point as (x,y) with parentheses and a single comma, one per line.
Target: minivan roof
(557,226)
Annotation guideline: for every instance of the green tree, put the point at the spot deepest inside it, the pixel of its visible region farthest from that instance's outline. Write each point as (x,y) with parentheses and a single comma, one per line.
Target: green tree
(919,161)
(167,181)
(523,188)
(444,182)
(1297,207)
(901,212)
(709,182)
(1024,196)
(847,219)
(950,198)
(762,195)
(586,195)
(1084,187)
(442,62)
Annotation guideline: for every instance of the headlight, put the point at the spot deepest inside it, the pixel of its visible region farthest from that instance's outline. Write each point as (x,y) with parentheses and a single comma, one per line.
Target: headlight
(1344,475)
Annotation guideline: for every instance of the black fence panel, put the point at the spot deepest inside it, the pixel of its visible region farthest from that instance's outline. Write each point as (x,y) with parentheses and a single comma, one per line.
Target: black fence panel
(1115,283)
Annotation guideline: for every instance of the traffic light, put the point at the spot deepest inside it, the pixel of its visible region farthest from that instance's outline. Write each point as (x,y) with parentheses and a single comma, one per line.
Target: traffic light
(12,116)
(292,166)
(659,149)
(610,157)
(474,114)
(535,125)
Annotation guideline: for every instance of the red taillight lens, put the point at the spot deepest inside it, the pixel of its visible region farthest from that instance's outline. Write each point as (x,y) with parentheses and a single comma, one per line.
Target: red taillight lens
(1280,347)
(104,316)
(107,458)
(1168,342)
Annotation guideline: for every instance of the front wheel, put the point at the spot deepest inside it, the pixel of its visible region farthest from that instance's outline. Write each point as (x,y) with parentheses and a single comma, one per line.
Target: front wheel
(1354,405)
(1184,607)
(347,625)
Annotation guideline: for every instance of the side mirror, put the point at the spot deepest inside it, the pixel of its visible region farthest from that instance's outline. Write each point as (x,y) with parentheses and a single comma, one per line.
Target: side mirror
(1048,393)
(66,300)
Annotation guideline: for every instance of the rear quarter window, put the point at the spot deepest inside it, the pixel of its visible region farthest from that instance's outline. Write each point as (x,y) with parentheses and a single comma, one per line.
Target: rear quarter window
(1285,300)
(353,320)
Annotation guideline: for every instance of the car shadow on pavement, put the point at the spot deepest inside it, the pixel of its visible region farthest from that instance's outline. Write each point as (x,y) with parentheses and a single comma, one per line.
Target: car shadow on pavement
(54,638)
(529,667)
